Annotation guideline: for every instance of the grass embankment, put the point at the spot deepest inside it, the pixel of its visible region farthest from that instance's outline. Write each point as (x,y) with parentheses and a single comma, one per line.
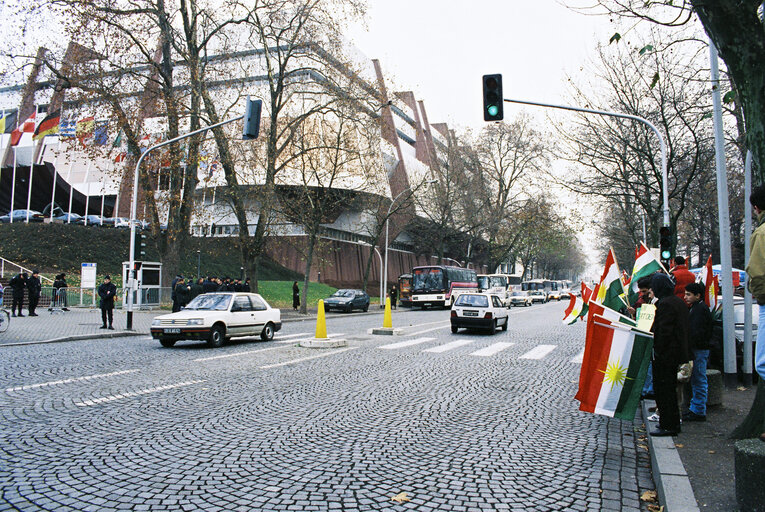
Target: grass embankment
(56,248)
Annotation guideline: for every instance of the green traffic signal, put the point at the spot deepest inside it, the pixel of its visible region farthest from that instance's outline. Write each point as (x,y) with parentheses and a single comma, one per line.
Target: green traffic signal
(493,110)
(665,255)
(492,98)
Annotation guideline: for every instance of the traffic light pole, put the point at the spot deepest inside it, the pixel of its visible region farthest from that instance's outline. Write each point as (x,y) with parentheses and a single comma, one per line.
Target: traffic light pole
(131,284)
(663,145)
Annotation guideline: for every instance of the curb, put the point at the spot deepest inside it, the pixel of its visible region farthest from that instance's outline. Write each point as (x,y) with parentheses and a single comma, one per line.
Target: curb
(672,483)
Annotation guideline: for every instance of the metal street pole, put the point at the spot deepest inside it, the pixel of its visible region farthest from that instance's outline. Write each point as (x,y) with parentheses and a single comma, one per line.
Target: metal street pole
(663,145)
(199,261)
(131,283)
(747,294)
(726,266)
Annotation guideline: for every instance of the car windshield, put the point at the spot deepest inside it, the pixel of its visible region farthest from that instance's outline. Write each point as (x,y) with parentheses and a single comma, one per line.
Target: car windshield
(478,301)
(343,293)
(210,302)
(498,281)
(483,282)
(428,279)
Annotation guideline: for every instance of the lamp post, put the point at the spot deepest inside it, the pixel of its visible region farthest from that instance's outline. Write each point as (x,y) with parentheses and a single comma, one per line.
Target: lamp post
(387,225)
(199,261)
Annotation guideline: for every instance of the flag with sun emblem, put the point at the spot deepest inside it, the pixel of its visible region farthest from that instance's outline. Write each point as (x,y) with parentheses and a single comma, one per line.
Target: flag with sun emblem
(617,363)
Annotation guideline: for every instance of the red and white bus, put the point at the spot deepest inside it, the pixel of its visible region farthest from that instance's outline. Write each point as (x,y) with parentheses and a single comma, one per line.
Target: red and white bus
(440,285)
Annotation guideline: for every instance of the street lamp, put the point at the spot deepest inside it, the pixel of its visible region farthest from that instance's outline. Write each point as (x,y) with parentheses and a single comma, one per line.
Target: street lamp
(384,295)
(199,260)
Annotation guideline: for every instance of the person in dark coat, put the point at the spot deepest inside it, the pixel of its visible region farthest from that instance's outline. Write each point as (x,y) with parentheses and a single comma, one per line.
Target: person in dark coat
(18,284)
(295,296)
(393,296)
(59,293)
(182,294)
(197,289)
(107,291)
(222,285)
(210,286)
(35,288)
(246,286)
(670,350)
(699,333)
(172,288)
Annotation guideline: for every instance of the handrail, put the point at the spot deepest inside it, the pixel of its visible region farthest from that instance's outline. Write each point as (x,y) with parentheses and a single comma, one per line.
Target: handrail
(3,261)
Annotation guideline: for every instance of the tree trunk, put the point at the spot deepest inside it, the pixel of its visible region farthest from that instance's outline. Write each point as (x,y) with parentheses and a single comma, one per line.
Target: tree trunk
(306,279)
(754,424)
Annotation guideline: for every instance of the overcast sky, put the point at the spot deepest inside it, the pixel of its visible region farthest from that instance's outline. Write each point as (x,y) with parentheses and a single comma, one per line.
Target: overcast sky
(440,49)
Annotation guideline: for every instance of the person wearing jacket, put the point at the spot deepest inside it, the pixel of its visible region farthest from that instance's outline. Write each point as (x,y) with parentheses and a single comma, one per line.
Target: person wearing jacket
(107,291)
(35,288)
(18,284)
(699,334)
(682,275)
(59,293)
(182,295)
(670,350)
(755,271)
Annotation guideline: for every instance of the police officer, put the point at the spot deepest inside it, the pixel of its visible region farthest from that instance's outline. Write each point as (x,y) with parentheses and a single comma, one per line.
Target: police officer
(18,284)
(35,287)
(107,291)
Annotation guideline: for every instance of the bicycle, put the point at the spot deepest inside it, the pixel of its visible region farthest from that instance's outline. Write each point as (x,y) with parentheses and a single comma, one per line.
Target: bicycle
(5,320)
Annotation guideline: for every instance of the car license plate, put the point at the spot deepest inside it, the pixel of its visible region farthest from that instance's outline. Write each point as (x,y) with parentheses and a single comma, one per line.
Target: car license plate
(471,313)
(173,330)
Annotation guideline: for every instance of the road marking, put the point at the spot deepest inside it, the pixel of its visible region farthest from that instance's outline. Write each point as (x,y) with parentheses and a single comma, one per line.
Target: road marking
(306,339)
(280,338)
(538,352)
(211,358)
(449,346)
(67,381)
(578,358)
(426,323)
(429,330)
(407,343)
(112,398)
(267,366)
(492,349)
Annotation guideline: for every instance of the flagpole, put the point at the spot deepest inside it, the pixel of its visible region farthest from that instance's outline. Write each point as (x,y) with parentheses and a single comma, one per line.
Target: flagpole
(32,167)
(55,177)
(103,188)
(71,190)
(87,193)
(13,186)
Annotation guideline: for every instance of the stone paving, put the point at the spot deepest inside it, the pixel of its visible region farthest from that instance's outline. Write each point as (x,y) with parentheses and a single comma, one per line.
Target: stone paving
(92,425)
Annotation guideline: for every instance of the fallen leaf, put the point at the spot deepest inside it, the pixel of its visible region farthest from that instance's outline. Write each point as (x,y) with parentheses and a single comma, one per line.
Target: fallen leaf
(741,388)
(656,508)
(400,498)
(648,496)
(643,446)
(680,445)
(711,451)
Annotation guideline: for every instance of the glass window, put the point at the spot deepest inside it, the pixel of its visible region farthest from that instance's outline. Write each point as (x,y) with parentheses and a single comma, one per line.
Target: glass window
(241,304)
(257,303)
(496,302)
(210,302)
(476,301)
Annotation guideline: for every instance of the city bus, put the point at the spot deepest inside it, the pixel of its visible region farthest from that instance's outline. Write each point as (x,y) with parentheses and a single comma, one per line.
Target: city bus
(439,285)
(497,284)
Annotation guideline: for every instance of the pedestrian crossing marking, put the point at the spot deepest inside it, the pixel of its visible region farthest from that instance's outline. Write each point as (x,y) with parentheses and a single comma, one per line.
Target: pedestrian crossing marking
(67,381)
(579,357)
(235,354)
(429,330)
(112,398)
(492,349)
(538,352)
(288,336)
(407,343)
(449,346)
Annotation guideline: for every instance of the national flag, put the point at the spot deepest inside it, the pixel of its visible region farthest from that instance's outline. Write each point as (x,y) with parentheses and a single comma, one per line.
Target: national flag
(84,128)
(120,156)
(708,278)
(616,365)
(8,121)
(645,265)
(101,133)
(67,128)
(573,311)
(586,293)
(48,126)
(610,285)
(625,279)
(27,126)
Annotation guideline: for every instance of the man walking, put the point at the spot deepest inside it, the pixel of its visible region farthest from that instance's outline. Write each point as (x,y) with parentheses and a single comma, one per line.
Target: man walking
(35,288)
(755,272)
(107,291)
(18,284)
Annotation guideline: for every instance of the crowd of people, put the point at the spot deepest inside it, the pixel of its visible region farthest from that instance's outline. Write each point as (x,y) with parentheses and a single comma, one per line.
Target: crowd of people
(184,292)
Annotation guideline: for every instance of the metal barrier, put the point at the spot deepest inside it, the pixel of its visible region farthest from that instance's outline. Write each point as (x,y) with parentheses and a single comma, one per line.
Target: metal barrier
(73,297)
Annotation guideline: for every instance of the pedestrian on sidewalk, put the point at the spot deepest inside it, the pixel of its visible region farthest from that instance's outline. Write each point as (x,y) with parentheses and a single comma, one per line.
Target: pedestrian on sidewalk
(682,276)
(59,293)
(107,292)
(35,288)
(670,350)
(644,297)
(295,296)
(18,284)
(755,271)
(699,334)
(197,289)
(393,296)
(182,295)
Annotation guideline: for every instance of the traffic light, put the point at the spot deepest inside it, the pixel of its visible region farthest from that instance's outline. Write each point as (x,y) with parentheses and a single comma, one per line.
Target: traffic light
(665,243)
(140,246)
(493,101)
(251,127)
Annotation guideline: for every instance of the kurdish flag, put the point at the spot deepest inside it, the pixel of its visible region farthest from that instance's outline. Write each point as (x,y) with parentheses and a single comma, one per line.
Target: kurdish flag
(645,265)
(610,286)
(616,366)
(586,295)
(573,311)
(710,285)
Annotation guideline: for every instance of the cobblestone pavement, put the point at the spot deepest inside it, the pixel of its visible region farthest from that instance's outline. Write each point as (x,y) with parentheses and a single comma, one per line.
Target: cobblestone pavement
(464,422)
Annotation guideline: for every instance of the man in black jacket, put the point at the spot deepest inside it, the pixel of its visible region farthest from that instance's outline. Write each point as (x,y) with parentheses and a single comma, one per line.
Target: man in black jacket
(670,350)
(699,334)
(107,291)
(182,295)
(35,288)
(18,284)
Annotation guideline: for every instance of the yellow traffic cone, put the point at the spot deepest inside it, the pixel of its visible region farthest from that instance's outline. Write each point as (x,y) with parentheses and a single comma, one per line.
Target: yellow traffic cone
(321,322)
(387,320)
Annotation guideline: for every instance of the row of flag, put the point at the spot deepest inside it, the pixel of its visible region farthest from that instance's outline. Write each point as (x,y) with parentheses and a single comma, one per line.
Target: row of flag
(617,348)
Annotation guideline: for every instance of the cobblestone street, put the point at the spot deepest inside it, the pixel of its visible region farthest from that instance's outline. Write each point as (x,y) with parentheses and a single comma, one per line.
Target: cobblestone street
(486,424)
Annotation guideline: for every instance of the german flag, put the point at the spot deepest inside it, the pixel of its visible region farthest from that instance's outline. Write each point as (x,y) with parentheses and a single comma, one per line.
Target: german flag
(48,126)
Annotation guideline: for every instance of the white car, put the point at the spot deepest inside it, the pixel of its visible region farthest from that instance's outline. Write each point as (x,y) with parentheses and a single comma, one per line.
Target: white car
(538,296)
(217,316)
(479,311)
(520,299)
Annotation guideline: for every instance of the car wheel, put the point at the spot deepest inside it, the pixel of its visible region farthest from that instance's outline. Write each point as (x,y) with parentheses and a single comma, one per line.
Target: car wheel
(217,336)
(493,328)
(366,308)
(504,326)
(268,332)
(349,309)
(455,329)
(167,342)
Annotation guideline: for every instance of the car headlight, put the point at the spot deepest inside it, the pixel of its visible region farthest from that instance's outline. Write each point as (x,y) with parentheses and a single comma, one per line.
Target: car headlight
(194,321)
(156,321)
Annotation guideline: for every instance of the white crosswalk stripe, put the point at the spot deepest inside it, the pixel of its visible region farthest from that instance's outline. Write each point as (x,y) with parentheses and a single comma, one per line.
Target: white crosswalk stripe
(407,343)
(578,358)
(538,352)
(492,349)
(449,346)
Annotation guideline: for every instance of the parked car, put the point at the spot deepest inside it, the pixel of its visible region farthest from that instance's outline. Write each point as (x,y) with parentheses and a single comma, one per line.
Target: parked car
(554,295)
(71,218)
(538,296)
(93,220)
(479,311)
(520,299)
(118,222)
(21,216)
(216,317)
(347,300)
